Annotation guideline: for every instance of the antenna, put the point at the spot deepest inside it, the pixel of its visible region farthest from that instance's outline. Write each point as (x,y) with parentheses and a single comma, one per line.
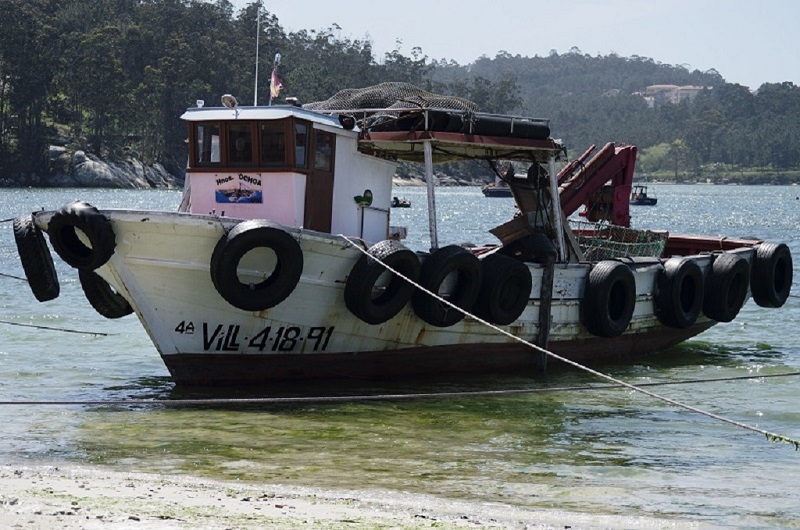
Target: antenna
(258,37)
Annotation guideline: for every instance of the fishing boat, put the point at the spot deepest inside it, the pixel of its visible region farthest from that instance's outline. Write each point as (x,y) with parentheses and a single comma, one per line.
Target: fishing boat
(308,278)
(498,188)
(639,196)
(397,202)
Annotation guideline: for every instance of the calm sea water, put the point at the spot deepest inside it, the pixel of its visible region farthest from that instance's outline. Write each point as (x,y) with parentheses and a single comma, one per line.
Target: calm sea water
(601,452)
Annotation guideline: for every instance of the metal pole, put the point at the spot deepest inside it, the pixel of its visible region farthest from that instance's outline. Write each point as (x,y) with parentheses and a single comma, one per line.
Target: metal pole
(258,38)
(428,151)
(555,200)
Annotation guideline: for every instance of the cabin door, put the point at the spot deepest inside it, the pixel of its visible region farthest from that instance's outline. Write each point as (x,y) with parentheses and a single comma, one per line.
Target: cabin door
(319,185)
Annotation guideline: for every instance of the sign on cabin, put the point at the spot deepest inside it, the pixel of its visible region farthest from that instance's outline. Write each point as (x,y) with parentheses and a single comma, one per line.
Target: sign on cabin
(239,188)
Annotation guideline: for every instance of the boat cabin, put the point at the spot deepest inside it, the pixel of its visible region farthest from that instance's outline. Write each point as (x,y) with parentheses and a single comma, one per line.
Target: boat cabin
(330,171)
(289,165)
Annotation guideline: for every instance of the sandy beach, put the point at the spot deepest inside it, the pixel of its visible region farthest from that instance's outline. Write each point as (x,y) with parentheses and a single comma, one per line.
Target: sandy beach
(84,498)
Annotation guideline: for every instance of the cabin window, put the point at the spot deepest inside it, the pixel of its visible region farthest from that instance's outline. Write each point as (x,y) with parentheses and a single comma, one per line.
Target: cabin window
(207,144)
(300,145)
(323,154)
(273,144)
(240,144)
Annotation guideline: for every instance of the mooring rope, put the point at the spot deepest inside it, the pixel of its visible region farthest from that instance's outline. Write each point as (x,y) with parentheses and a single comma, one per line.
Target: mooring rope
(377,397)
(771,436)
(615,383)
(14,277)
(48,328)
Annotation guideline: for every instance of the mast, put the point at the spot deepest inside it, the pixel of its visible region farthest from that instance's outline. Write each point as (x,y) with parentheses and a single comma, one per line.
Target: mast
(258,37)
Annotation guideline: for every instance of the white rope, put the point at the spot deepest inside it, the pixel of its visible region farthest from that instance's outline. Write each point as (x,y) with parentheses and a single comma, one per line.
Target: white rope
(771,436)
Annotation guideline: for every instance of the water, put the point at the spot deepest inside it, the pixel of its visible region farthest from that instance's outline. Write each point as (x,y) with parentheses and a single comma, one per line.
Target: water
(601,452)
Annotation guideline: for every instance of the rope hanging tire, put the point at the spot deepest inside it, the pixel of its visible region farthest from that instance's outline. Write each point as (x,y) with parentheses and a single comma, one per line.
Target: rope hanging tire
(609,299)
(102,297)
(80,216)
(505,289)
(678,296)
(233,246)
(726,287)
(460,272)
(771,274)
(372,293)
(36,260)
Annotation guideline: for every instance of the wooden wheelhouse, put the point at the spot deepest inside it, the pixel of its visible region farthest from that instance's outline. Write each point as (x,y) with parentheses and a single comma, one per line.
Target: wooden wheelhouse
(288,165)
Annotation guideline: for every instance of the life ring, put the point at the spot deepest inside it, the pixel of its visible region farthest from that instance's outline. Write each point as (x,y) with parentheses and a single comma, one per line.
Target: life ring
(726,287)
(505,290)
(63,231)
(374,294)
(609,299)
(232,247)
(465,270)
(36,259)
(102,297)
(771,274)
(678,296)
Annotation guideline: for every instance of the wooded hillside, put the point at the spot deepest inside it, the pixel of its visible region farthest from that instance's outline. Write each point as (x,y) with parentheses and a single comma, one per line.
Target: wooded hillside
(113,76)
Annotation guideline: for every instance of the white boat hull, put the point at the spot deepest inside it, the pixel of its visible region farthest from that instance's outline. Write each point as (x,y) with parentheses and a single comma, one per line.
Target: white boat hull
(161,266)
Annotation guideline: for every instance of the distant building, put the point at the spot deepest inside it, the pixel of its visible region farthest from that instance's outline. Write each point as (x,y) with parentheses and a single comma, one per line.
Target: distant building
(658,95)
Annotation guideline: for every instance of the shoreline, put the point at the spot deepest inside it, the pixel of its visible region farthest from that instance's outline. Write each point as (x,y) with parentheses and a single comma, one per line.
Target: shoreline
(45,497)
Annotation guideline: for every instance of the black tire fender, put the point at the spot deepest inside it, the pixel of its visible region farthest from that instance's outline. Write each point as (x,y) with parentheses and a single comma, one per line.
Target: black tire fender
(435,270)
(102,297)
(726,287)
(372,293)
(63,231)
(37,262)
(678,296)
(233,246)
(609,299)
(771,274)
(505,289)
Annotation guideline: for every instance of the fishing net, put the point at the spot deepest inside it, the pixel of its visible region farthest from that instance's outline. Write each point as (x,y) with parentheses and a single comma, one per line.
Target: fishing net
(391,95)
(599,241)
(402,107)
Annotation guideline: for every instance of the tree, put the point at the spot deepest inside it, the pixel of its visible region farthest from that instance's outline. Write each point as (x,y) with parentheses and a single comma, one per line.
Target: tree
(677,155)
(28,52)
(100,80)
(114,75)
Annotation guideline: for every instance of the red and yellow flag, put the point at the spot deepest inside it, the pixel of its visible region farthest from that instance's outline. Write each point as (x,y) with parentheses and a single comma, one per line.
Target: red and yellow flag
(275,85)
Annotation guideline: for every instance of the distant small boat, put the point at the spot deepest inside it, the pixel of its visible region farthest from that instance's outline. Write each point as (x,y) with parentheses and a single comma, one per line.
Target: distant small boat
(498,188)
(639,197)
(400,203)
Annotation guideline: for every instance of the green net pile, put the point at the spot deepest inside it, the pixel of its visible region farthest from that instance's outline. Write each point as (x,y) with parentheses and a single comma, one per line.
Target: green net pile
(393,95)
(599,241)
